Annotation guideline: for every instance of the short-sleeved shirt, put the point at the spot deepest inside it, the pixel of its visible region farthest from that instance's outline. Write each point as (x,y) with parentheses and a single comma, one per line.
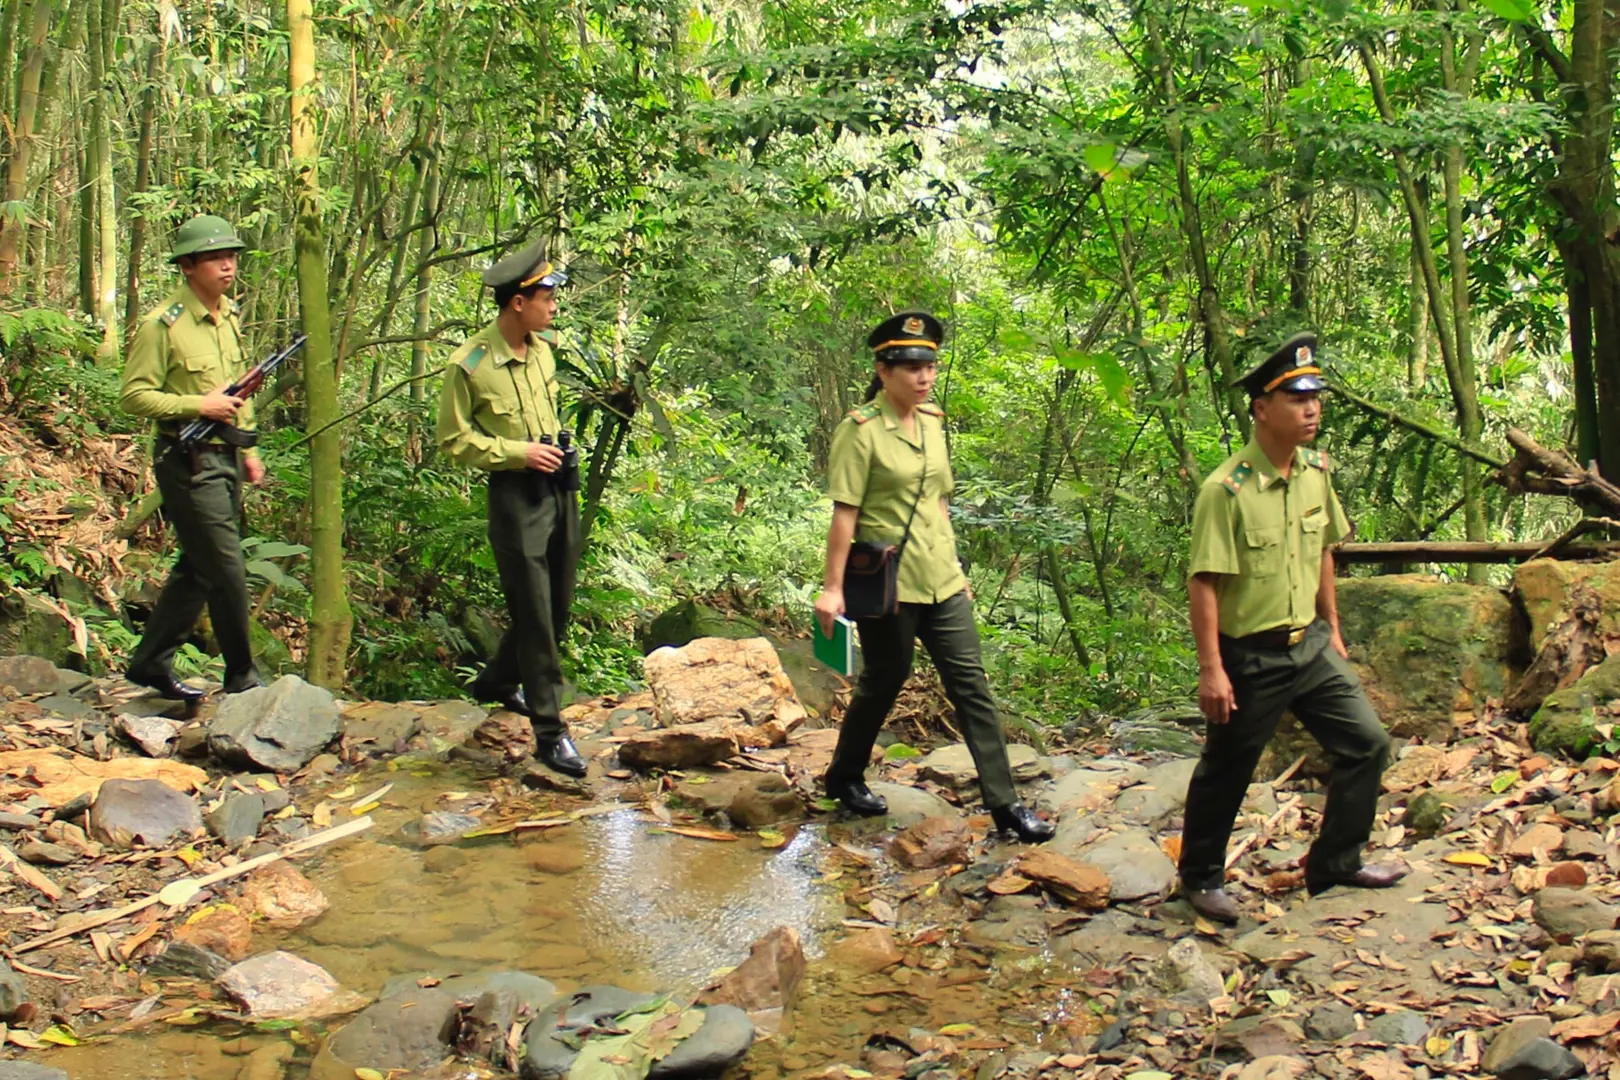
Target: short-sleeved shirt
(878,467)
(494,404)
(181,352)
(1264,535)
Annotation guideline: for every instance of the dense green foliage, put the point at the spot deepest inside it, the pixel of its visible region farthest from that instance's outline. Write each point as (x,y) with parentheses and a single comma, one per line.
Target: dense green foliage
(1114,206)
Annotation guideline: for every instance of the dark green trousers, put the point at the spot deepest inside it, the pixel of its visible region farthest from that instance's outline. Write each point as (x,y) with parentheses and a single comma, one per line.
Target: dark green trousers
(202,500)
(888,644)
(534,529)
(1318,686)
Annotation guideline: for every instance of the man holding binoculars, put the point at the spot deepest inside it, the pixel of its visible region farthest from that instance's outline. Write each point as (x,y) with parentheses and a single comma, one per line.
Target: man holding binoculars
(498,411)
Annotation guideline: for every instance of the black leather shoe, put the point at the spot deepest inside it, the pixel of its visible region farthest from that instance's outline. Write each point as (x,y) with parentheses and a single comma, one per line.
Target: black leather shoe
(1376,876)
(1212,904)
(857,798)
(163,681)
(1018,818)
(509,697)
(243,680)
(557,752)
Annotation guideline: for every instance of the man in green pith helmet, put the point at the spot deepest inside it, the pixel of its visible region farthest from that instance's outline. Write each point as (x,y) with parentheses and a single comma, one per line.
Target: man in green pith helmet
(187,351)
(1266,620)
(498,411)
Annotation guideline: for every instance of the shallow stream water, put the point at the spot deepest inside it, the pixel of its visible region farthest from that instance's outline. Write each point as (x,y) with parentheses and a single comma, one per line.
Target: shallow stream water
(609,898)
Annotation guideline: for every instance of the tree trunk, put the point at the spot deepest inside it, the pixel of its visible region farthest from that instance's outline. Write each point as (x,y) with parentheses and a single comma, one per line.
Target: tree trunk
(428,244)
(143,174)
(87,231)
(13,225)
(1417,326)
(331,620)
(106,227)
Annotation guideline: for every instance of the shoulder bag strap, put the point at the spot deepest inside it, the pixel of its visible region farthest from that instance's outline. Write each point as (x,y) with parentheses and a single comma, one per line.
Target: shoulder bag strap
(922,434)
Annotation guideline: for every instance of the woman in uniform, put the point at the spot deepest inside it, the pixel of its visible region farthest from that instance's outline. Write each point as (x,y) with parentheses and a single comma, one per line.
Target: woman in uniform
(889,477)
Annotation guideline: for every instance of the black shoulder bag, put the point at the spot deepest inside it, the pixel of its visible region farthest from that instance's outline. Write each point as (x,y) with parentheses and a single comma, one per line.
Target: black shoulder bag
(872,571)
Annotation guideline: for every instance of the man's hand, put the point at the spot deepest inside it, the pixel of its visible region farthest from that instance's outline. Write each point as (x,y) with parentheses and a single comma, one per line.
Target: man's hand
(544,457)
(218,405)
(1338,644)
(829,605)
(1215,697)
(254,468)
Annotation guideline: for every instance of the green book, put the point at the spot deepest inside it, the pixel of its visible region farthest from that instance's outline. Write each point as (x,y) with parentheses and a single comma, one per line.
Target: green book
(838,651)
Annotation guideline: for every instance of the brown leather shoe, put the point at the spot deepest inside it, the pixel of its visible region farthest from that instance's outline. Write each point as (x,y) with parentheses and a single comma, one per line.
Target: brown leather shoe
(1213,904)
(1378,876)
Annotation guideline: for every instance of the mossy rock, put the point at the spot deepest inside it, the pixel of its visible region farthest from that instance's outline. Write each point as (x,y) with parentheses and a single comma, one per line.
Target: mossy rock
(269,654)
(690,620)
(1567,721)
(1546,589)
(30,627)
(1428,811)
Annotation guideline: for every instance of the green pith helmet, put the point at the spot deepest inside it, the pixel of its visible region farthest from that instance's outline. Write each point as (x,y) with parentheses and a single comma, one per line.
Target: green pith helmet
(205,232)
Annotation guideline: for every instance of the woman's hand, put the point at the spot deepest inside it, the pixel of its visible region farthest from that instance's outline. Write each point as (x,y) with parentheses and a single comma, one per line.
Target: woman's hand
(829,605)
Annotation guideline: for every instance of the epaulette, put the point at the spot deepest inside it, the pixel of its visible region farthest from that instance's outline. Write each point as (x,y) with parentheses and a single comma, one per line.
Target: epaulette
(1234,479)
(1317,459)
(862,413)
(931,409)
(475,354)
(172,314)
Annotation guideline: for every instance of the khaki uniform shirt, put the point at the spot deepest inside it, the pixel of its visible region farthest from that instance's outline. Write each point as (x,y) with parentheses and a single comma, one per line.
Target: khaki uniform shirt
(180,353)
(1264,535)
(494,404)
(876,466)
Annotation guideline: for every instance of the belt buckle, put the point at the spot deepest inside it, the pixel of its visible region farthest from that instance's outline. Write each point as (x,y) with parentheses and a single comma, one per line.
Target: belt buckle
(1296,636)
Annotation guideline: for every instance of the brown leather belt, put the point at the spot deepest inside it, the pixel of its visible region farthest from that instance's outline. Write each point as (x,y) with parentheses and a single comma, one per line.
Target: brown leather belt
(1280,638)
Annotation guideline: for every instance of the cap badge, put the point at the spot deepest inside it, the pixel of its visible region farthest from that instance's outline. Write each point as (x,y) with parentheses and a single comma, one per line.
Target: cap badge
(1303,354)
(913,325)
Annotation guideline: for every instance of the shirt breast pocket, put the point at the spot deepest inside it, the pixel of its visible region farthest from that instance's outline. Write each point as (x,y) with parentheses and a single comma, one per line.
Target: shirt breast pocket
(503,417)
(1261,555)
(1311,534)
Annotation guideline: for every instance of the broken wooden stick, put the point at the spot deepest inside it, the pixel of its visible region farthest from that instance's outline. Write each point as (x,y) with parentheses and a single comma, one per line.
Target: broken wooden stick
(102,918)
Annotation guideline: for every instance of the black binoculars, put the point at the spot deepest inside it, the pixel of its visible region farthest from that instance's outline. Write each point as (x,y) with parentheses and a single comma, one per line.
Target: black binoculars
(568,474)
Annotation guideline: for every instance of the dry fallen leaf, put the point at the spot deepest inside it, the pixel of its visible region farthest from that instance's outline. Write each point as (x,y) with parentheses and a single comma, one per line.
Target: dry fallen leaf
(1467,858)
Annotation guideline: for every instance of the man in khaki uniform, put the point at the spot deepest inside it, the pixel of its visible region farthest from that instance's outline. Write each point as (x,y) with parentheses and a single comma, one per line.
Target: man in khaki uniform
(187,351)
(498,412)
(1265,617)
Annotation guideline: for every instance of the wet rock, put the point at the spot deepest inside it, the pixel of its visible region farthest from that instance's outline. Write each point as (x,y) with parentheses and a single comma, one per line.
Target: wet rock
(183,960)
(444,860)
(1078,884)
(868,951)
(237,818)
(765,984)
(677,748)
(764,799)
(932,842)
(553,856)
(546,1057)
(1566,914)
(279,985)
(439,827)
(154,735)
(1403,1027)
(147,812)
(719,680)
(1134,863)
(279,727)
(451,722)
(1188,974)
(411,1027)
(13,991)
(29,675)
(267,1062)
(953,767)
(289,829)
(1162,792)
(909,805)
(224,930)
(380,724)
(282,896)
(1331,1022)
(720,1043)
(29,1070)
(507,735)
(1512,1038)
(41,853)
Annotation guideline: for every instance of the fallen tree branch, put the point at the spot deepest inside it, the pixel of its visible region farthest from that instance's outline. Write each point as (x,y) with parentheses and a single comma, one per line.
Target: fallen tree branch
(1422,429)
(102,918)
(1550,472)
(1468,551)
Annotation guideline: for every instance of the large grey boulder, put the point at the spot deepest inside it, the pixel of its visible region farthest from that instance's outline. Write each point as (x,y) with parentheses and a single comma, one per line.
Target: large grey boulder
(149,812)
(721,1042)
(279,727)
(1134,863)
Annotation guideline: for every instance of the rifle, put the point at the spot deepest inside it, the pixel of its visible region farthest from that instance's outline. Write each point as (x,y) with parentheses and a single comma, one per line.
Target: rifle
(202,429)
